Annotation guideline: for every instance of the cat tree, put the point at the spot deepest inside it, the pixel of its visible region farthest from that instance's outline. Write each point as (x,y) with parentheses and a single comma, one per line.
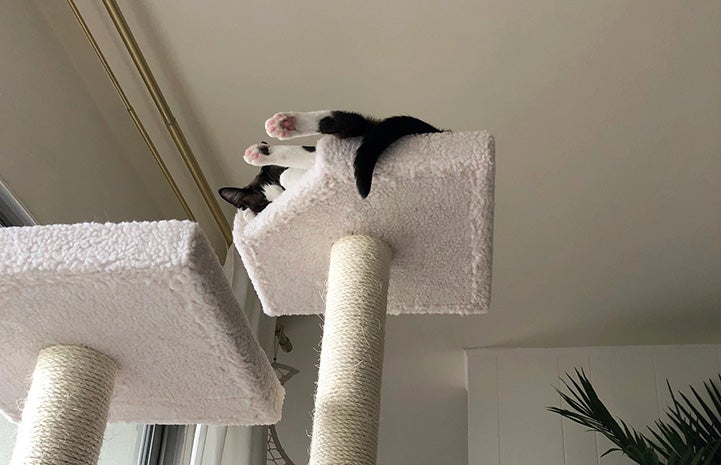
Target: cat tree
(131,322)
(420,243)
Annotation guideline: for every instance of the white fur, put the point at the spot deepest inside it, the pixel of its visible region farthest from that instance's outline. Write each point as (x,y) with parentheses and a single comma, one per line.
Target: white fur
(290,177)
(295,158)
(272,191)
(306,123)
(248,214)
(290,156)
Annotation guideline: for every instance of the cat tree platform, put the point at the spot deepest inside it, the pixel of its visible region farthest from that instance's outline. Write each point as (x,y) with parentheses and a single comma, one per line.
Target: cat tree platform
(420,243)
(133,322)
(431,203)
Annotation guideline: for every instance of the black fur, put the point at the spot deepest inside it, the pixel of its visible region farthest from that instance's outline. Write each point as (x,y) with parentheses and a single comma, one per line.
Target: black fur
(346,124)
(251,197)
(377,137)
(378,140)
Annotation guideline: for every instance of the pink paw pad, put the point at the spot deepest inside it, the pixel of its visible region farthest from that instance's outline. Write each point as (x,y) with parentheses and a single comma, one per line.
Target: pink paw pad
(281,125)
(254,153)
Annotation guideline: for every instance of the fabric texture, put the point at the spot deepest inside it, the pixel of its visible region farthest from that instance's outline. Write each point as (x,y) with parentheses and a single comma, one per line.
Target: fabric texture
(153,297)
(65,413)
(348,397)
(431,202)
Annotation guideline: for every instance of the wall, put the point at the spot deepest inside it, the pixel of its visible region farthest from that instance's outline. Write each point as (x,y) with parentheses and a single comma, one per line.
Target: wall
(427,412)
(508,390)
(77,54)
(423,408)
(58,153)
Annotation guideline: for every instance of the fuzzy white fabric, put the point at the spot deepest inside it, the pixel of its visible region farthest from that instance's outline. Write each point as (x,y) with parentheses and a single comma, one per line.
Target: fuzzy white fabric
(431,201)
(153,297)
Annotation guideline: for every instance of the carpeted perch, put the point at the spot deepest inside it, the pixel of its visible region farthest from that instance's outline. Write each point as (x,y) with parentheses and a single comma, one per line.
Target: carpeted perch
(130,322)
(431,208)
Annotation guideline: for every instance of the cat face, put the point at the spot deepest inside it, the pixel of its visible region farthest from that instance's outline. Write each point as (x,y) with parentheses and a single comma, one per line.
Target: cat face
(254,197)
(244,198)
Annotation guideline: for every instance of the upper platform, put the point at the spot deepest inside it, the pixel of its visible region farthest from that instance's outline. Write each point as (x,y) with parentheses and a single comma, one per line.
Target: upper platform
(431,201)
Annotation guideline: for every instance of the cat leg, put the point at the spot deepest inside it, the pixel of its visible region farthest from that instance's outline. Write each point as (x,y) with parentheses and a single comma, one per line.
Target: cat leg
(290,156)
(339,123)
(288,125)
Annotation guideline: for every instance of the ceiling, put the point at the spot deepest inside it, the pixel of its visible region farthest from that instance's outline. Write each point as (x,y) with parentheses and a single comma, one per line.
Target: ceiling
(606,116)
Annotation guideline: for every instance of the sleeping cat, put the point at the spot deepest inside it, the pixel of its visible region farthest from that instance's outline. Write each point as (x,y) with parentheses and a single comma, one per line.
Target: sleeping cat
(283,165)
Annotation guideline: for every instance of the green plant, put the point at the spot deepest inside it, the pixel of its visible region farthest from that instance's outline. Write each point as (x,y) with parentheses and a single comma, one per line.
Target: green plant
(691,436)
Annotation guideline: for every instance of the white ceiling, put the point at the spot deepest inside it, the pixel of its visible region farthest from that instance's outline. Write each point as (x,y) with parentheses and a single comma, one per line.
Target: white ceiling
(606,115)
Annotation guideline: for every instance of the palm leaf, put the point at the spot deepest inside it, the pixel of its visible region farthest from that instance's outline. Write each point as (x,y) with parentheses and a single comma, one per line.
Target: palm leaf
(592,413)
(691,436)
(714,418)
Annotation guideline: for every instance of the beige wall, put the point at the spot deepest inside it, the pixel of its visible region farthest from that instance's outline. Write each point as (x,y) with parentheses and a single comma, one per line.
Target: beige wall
(59,154)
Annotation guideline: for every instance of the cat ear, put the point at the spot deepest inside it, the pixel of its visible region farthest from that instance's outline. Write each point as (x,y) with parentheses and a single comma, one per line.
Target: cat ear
(235,196)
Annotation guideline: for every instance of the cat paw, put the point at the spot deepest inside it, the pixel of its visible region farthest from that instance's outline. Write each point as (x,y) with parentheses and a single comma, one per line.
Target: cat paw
(281,126)
(255,154)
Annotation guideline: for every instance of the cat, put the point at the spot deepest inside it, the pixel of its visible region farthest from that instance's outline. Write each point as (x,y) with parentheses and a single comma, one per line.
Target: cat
(282,165)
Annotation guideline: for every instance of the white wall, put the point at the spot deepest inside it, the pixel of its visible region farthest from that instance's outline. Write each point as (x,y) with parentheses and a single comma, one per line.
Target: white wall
(509,390)
(430,416)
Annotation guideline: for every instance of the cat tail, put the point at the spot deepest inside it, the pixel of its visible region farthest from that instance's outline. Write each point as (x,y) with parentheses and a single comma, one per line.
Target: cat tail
(380,138)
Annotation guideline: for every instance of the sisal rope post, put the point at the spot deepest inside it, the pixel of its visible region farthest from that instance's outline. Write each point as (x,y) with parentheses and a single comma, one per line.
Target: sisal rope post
(347,402)
(65,413)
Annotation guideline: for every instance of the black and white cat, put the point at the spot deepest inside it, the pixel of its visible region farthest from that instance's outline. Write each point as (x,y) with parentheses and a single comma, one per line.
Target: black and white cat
(283,165)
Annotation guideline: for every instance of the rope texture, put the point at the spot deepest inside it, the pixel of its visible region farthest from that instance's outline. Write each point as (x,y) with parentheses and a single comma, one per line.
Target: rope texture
(347,402)
(64,416)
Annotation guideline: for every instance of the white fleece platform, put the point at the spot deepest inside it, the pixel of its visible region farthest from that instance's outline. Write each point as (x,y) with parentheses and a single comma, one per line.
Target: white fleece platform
(150,295)
(431,201)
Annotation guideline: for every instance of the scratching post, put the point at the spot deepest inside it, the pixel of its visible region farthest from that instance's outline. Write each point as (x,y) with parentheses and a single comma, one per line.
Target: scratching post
(347,402)
(129,322)
(65,412)
(432,205)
